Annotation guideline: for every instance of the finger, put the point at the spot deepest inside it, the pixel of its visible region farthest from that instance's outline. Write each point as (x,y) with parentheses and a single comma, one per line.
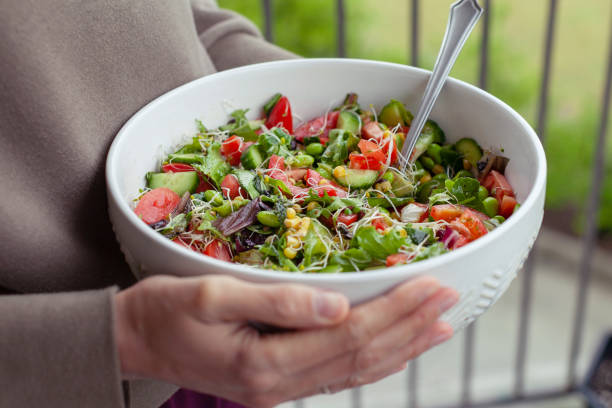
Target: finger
(414,324)
(363,324)
(339,374)
(345,370)
(226,299)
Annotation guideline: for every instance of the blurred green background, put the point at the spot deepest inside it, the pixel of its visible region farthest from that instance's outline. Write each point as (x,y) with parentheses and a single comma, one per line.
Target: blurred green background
(381,30)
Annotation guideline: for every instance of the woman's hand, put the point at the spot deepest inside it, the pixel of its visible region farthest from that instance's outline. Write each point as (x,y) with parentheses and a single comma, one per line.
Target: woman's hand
(195,332)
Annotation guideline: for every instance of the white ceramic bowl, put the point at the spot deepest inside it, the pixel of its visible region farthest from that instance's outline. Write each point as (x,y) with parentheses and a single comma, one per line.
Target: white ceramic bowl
(480,271)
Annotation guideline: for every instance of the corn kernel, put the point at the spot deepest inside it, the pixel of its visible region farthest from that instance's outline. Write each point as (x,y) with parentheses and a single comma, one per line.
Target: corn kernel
(290,252)
(292,222)
(386,134)
(340,172)
(312,205)
(322,182)
(425,178)
(297,208)
(403,233)
(383,186)
(466,164)
(305,223)
(290,213)
(437,169)
(293,242)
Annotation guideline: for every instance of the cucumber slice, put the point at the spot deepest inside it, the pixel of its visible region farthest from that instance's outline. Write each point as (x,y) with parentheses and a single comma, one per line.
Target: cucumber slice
(438,134)
(350,121)
(423,142)
(356,178)
(251,157)
(246,179)
(401,186)
(188,158)
(469,149)
(177,182)
(395,113)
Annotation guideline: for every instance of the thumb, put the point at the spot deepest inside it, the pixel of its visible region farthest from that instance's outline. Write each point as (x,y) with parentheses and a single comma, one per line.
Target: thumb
(223,298)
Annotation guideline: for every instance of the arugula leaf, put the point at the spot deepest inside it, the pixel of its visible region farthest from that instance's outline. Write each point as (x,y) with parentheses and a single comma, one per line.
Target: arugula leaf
(348,260)
(341,142)
(240,126)
(271,250)
(279,184)
(270,143)
(201,127)
(339,203)
(465,189)
(418,235)
(377,245)
(431,251)
(214,165)
(193,147)
(246,179)
(314,246)
(176,225)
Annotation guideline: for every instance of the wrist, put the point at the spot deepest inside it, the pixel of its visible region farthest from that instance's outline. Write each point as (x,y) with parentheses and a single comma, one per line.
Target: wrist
(127,341)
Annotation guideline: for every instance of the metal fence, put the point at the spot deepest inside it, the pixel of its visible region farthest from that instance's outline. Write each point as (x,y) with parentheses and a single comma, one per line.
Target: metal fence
(589,239)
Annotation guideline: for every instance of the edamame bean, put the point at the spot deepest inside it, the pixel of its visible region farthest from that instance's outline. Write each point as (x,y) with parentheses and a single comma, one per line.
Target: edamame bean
(490,206)
(433,151)
(440,176)
(213,197)
(499,218)
(301,160)
(224,209)
(427,162)
(314,149)
(268,218)
(482,193)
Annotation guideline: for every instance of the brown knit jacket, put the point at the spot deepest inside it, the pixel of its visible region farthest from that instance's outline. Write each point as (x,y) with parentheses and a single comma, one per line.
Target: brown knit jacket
(71,73)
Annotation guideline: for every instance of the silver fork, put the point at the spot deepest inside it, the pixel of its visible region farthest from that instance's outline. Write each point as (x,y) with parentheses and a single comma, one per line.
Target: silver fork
(463,16)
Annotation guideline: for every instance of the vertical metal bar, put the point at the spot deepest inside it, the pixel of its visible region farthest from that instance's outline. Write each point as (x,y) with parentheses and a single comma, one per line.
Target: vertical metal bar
(484,46)
(590,235)
(414,37)
(525,309)
(341,27)
(268,23)
(356,398)
(413,374)
(470,331)
(468,364)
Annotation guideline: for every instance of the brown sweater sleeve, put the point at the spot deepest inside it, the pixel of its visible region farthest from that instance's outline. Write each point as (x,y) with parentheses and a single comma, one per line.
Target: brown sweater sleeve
(230,39)
(65,338)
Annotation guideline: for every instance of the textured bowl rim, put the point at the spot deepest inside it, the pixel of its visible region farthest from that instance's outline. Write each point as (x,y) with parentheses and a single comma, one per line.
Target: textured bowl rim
(403,270)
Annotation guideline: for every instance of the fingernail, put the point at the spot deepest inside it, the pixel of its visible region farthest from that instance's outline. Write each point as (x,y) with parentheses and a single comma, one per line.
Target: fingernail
(440,338)
(448,301)
(328,305)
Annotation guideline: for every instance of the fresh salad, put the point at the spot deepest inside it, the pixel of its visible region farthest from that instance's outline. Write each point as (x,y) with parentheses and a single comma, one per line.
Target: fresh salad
(325,196)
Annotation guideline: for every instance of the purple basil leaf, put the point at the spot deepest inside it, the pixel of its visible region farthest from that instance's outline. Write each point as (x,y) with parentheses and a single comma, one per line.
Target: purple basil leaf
(239,219)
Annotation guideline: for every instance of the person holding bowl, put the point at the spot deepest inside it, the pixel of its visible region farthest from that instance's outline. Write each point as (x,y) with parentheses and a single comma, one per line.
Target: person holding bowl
(77,330)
